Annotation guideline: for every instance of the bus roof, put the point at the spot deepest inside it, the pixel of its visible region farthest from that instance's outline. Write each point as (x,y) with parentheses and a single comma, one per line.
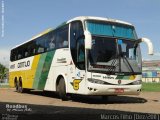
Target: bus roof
(36,36)
(81,18)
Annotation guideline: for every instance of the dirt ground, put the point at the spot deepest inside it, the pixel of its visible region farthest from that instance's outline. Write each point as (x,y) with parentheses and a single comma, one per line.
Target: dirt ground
(37,102)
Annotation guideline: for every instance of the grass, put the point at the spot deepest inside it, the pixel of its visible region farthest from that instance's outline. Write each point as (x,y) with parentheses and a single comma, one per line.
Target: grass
(4,85)
(151,87)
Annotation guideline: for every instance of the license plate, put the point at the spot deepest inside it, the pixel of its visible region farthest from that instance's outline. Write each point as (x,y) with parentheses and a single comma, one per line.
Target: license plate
(119,90)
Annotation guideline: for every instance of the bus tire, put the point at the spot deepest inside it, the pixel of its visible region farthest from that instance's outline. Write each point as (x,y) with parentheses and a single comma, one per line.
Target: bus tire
(16,85)
(20,88)
(61,89)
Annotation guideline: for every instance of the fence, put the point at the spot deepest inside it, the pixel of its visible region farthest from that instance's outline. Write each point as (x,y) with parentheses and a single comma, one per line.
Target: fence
(151,79)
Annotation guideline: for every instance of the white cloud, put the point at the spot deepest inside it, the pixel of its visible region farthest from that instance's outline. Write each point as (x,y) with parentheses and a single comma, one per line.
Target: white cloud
(157,54)
(4,56)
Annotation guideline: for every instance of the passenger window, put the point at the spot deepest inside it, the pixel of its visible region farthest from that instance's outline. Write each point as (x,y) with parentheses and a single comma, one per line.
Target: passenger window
(19,56)
(20,53)
(44,43)
(26,54)
(33,48)
(51,41)
(13,55)
(62,37)
(40,50)
(40,43)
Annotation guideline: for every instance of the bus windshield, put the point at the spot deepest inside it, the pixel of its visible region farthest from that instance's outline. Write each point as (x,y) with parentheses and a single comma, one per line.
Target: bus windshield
(112,54)
(111,29)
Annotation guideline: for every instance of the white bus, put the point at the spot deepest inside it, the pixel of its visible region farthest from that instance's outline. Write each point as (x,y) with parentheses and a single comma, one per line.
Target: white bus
(85,55)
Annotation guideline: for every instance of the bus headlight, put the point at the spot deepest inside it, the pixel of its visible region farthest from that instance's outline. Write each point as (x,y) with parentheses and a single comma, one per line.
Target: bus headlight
(96,81)
(137,82)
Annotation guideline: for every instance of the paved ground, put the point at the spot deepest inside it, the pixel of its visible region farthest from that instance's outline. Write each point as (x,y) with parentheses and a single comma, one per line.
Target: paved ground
(46,104)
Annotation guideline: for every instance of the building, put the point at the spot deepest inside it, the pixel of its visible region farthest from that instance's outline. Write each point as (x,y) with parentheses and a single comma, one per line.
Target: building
(151,71)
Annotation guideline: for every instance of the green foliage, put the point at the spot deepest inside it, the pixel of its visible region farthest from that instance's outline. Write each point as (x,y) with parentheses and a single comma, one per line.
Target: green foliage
(3,71)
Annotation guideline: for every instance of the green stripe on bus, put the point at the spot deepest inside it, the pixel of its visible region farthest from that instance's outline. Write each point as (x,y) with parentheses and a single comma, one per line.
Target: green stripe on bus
(123,77)
(45,70)
(126,77)
(119,77)
(39,70)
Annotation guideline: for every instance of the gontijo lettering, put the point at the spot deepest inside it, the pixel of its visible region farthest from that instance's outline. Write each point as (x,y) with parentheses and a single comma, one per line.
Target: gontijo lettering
(23,64)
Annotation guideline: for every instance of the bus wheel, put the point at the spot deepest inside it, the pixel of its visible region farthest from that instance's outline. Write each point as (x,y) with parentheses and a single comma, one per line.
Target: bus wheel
(20,88)
(61,89)
(16,85)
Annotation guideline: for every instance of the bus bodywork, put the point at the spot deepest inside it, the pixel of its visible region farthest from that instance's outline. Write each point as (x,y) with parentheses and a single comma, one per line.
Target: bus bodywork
(91,56)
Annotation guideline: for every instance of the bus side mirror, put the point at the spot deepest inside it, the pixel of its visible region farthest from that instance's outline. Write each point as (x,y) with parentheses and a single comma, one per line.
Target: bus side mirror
(88,40)
(149,44)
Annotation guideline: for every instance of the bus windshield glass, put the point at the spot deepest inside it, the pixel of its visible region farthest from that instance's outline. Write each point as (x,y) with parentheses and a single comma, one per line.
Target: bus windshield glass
(116,53)
(111,29)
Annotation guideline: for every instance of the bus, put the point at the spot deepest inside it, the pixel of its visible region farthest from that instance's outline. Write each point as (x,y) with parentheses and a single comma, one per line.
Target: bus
(86,55)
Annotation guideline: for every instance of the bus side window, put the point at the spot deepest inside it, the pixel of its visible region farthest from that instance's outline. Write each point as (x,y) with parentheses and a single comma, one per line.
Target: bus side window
(62,37)
(77,44)
(26,54)
(65,43)
(59,41)
(19,56)
(25,48)
(34,48)
(50,41)
(20,53)
(40,50)
(40,43)
(13,55)
(81,51)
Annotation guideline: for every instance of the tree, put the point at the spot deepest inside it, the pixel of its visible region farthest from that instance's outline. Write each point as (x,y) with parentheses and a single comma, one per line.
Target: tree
(3,72)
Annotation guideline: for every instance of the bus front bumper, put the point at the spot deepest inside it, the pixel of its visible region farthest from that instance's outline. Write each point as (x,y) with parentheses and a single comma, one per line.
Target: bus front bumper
(100,89)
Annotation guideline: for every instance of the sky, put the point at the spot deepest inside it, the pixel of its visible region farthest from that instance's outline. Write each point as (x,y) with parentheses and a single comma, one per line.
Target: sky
(24,19)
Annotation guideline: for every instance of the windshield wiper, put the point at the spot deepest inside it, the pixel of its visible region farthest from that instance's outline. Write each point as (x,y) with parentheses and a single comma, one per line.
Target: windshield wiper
(111,70)
(124,58)
(121,55)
